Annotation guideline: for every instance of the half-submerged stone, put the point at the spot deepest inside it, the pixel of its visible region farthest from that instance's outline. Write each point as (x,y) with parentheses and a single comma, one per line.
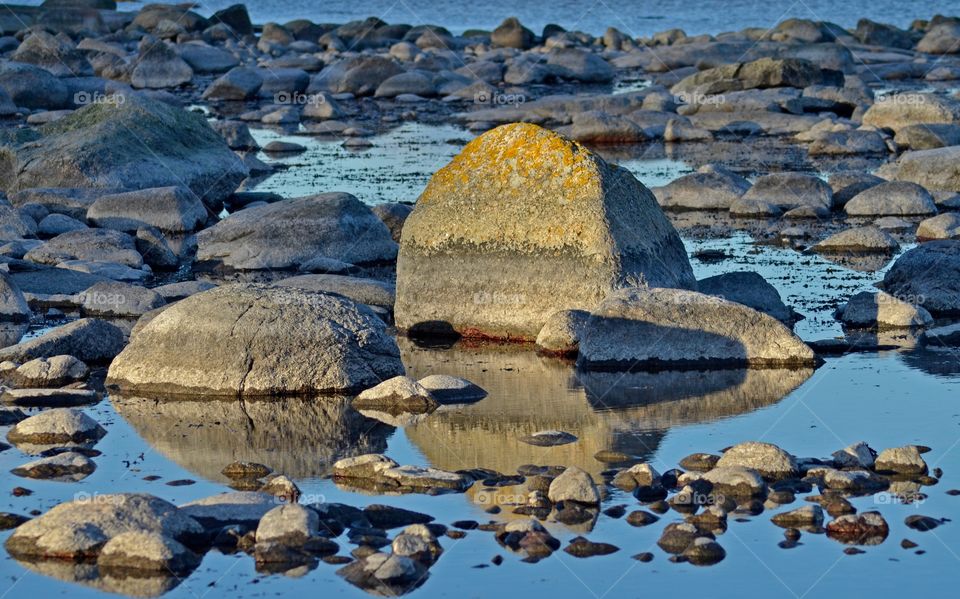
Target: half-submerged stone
(258,340)
(521,224)
(644,328)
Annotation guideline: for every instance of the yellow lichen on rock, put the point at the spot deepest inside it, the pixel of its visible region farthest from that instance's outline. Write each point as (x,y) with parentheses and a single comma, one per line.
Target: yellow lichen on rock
(530,185)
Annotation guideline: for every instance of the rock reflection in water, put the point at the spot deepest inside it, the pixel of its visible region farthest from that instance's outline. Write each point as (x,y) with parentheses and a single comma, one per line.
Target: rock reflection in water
(88,574)
(630,413)
(298,437)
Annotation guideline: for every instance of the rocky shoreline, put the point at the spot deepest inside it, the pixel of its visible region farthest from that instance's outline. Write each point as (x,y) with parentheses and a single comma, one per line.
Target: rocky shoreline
(139,254)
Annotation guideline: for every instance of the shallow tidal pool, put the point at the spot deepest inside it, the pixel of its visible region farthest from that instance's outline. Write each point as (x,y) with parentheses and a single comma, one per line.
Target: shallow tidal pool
(888,398)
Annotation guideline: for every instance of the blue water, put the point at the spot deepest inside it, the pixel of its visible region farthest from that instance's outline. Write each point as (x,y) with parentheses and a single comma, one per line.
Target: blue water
(635,17)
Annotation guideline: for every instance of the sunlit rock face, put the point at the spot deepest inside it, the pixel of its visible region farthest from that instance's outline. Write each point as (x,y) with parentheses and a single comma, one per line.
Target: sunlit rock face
(298,437)
(522,223)
(625,412)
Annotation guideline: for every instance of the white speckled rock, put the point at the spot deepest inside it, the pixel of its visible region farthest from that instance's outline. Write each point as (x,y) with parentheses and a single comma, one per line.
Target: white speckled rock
(80,528)
(858,455)
(147,552)
(292,525)
(451,389)
(57,426)
(736,481)
(574,485)
(690,328)
(882,310)
(55,371)
(859,240)
(901,460)
(767,459)
(258,340)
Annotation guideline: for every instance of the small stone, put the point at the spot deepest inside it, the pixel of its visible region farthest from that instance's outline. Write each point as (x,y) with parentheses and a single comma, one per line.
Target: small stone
(922,523)
(574,485)
(245,470)
(581,547)
(56,426)
(901,460)
(808,515)
(700,462)
(644,557)
(63,466)
(398,394)
(147,552)
(858,455)
(704,551)
(641,518)
(868,528)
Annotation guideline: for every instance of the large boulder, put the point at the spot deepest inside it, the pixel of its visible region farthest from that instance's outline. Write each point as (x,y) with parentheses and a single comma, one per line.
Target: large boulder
(258,340)
(131,144)
(296,233)
(79,529)
(928,275)
(521,224)
(654,327)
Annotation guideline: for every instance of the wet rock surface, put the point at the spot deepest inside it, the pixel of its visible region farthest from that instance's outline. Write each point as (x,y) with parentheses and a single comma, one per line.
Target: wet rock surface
(120,203)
